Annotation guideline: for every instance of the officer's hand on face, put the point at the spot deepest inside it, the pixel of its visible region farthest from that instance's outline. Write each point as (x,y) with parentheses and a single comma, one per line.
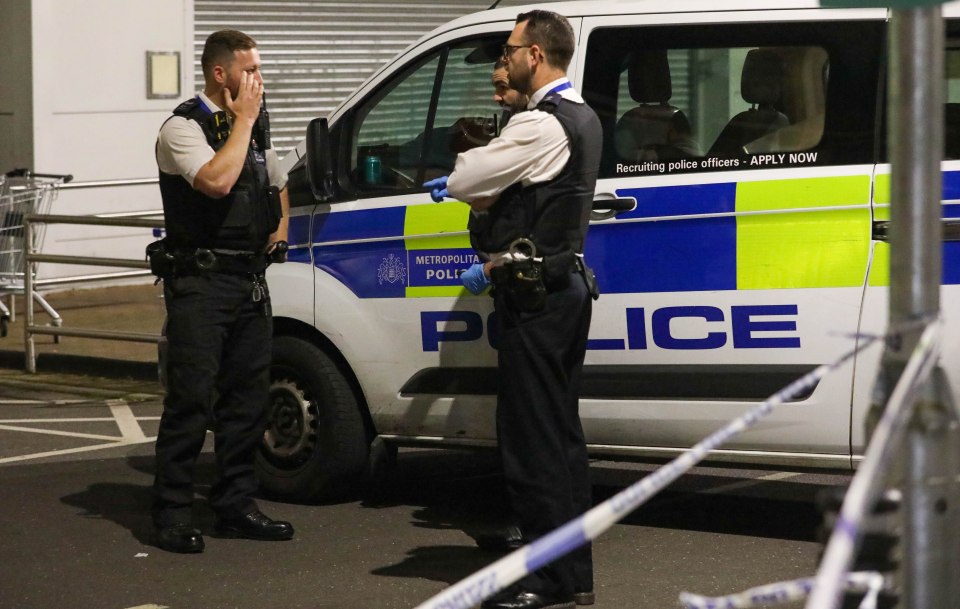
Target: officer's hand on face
(474,279)
(438,188)
(246,106)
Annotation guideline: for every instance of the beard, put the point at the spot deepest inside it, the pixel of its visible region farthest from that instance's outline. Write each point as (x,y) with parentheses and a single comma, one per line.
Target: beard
(520,82)
(519,104)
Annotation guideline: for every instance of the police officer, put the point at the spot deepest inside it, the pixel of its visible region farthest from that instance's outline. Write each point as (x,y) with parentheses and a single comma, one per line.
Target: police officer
(223,221)
(537,181)
(511,100)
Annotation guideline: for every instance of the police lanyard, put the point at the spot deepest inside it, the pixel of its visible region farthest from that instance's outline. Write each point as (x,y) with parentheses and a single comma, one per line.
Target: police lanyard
(561,87)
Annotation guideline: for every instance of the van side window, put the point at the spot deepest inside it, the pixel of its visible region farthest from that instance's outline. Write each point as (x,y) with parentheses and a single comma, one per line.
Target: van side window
(388,131)
(412,128)
(708,98)
(466,115)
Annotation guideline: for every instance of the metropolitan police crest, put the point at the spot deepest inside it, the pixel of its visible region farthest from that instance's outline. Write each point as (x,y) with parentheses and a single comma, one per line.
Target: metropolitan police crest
(392,270)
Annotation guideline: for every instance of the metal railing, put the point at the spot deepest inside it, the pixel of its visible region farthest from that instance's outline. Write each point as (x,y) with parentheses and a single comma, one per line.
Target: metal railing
(30,284)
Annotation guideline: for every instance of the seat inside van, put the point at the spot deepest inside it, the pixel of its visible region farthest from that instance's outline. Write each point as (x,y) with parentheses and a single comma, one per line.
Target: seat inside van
(761,86)
(654,129)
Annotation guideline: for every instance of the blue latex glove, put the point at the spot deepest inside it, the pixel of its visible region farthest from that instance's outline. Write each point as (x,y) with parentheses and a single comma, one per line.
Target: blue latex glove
(474,279)
(438,188)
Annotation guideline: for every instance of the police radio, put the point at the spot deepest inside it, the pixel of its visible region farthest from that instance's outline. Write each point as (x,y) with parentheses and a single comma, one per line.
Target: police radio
(219,125)
(261,129)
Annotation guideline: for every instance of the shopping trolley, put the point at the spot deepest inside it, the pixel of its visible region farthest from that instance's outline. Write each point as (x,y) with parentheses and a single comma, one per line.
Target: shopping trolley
(23,192)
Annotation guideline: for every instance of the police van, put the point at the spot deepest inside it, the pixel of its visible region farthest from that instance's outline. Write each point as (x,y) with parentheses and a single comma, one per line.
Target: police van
(738,236)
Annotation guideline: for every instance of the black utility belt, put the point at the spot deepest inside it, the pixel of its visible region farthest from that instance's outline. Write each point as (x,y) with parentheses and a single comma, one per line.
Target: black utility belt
(527,281)
(178,262)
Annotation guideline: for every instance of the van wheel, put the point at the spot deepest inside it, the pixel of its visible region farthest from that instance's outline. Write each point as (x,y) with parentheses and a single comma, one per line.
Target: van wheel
(315,445)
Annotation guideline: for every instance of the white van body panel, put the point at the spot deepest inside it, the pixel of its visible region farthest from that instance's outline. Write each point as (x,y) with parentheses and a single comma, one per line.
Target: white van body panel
(389,342)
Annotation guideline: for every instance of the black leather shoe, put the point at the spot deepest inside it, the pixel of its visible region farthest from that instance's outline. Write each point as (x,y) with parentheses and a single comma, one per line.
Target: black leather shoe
(180,538)
(526,600)
(254,525)
(504,540)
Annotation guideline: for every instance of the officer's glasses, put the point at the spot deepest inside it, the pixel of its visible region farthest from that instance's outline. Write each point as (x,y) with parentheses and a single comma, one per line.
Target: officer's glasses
(509,49)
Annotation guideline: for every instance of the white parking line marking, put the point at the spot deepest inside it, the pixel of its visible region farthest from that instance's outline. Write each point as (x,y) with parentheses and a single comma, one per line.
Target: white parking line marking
(44,402)
(82,449)
(76,420)
(129,428)
(57,432)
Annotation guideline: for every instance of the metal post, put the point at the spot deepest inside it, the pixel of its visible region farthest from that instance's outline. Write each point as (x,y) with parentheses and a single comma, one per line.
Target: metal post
(931,559)
(29,351)
(915,118)
(916,150)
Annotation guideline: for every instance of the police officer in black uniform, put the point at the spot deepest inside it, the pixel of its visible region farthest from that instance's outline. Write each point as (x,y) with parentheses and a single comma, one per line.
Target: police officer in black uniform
(536,180)
(223,208)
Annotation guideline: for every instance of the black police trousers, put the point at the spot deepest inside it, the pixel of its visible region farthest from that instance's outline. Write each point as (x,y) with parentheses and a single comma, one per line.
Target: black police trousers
(542,447)
(218,377)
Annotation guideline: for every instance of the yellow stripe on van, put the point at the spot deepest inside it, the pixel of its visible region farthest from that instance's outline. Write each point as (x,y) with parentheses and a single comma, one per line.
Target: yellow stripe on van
(880,267)
(441,291)
(424,226)
(803,193)
(808,249)
(881,190)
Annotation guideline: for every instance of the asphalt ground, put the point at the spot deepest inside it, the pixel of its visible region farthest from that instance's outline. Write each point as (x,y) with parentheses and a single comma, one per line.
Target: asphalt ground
(76,466)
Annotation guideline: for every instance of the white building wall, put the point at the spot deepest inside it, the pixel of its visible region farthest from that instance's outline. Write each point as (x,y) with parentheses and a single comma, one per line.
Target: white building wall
(91,114)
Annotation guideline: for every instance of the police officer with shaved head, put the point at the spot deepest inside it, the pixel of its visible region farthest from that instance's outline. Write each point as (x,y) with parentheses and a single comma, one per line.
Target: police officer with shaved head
(225,206)
(536,181)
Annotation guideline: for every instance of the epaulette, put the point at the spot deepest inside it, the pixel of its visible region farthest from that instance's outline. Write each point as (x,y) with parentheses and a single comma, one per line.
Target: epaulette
(550,103)
(187,107)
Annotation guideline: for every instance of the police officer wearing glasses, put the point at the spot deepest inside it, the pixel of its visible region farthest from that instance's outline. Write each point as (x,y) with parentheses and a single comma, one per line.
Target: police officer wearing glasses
(225,209)
(536,181)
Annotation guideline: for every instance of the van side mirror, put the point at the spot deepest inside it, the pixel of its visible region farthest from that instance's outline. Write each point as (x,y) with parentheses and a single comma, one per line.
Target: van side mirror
(319,162)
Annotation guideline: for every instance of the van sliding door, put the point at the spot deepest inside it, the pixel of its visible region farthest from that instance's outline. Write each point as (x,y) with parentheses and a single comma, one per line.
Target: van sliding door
(748,143)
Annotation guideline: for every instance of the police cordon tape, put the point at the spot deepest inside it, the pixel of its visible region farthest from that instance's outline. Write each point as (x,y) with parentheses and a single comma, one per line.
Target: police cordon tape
(870,582)
(865,487)
(486,582)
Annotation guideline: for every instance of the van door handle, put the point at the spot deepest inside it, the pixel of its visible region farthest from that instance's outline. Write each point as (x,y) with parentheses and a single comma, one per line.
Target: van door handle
(951,230)
(606,208)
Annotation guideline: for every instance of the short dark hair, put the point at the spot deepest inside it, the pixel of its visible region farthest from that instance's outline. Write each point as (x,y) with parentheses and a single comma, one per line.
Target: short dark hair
(552,33)
(219,48)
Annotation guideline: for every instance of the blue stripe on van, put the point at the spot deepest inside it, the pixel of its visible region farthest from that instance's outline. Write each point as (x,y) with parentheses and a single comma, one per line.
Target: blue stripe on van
(951,186)
(668,256)
(664,256)
(363,224)
(694,199)
(951,249)
(370,270)
(298,232)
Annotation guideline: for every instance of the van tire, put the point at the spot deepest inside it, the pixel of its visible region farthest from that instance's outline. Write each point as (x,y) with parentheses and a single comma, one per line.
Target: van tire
(315,444)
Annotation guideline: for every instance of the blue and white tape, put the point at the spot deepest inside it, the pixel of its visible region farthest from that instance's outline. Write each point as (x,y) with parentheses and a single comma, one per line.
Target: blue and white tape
(786,592)
(488,581)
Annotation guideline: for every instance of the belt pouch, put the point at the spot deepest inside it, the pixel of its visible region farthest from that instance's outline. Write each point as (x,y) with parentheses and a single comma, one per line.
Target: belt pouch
(522,281)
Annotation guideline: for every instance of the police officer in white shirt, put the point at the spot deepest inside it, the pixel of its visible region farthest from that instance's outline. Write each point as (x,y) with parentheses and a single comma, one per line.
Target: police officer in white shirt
(225,211)
(536,181)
